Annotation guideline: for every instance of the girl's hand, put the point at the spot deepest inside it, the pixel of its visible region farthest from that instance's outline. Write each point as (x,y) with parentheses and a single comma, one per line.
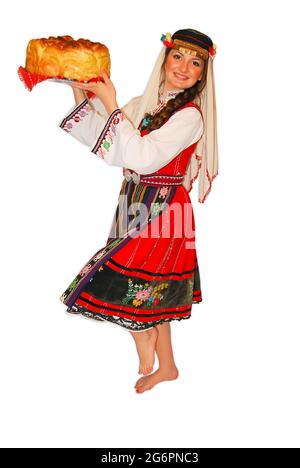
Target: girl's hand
(104,90)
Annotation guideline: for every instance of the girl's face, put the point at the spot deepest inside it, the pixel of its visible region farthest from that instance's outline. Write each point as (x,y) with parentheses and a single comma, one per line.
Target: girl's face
(182,70)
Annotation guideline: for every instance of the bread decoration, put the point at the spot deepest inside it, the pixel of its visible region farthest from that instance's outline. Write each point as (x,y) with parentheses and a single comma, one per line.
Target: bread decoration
(64,57)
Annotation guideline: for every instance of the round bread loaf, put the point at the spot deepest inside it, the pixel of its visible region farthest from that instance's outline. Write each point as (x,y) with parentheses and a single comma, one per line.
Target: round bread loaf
(64,57)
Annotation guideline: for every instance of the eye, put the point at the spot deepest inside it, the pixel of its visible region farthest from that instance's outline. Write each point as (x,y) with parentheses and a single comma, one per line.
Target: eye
(195,62)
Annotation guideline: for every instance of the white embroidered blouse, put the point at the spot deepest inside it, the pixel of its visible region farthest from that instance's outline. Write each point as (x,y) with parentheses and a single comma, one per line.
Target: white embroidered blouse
(114,139)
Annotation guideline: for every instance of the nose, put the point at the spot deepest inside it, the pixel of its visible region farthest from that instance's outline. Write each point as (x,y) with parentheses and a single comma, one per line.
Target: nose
(183,67)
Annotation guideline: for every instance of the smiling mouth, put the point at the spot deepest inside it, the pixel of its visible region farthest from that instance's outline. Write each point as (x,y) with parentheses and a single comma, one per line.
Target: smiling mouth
(180,77)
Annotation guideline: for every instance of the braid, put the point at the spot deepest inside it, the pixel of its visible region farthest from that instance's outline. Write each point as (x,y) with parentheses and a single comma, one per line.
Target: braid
(182,98)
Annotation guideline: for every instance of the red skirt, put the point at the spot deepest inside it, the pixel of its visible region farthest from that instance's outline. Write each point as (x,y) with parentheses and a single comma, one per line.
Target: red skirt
(147,273)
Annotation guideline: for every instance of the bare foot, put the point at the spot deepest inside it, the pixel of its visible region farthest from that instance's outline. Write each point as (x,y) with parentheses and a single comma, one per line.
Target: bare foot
(148,382)
(145,345)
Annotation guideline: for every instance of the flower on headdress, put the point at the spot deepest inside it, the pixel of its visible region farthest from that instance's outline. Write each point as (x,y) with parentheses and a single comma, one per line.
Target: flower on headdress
(212,50)
(167,39)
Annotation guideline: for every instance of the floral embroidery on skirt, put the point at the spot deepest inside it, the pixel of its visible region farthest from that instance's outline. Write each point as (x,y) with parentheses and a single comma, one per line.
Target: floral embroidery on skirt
(134,281)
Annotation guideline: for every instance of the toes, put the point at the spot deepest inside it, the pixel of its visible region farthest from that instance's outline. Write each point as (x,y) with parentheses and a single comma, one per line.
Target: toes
(147,370)
(143,388)
(143,370)
(139,389)
(139,381)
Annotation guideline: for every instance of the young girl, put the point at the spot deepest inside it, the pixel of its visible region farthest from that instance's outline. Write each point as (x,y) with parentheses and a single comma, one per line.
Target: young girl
(147,274)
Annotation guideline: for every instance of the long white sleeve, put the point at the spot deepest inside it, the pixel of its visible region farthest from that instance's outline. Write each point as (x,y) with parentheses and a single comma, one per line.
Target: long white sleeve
(85,120)
(119,143)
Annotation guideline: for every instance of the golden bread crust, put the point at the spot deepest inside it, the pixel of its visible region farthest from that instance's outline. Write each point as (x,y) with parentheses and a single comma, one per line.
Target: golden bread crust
(64,57)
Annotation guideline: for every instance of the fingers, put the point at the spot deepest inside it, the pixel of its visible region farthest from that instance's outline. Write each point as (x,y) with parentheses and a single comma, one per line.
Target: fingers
(78,86)
(90,84)
(103,74)
(85,86)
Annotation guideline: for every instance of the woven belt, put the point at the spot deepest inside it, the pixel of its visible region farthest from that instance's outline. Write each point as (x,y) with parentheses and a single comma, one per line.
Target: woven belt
(156,180)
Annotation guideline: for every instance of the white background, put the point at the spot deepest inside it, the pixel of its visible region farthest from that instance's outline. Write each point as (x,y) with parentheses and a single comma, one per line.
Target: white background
(68,381)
